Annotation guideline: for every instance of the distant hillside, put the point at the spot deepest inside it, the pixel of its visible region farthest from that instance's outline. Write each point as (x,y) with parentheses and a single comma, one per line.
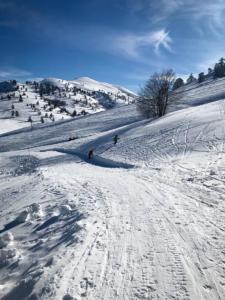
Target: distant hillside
(197,93)
(54,99)
(90,87)
(7,86)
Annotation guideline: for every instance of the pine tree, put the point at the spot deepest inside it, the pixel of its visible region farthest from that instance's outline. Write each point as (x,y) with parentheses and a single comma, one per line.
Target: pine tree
(219,69)
(178,83)
(74,113)
(201,77)
(30,120)
(20,98)
(191,79)
(210,71)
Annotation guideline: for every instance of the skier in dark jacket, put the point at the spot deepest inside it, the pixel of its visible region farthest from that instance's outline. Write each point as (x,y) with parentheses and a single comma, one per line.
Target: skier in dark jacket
(90,153)
(115,139)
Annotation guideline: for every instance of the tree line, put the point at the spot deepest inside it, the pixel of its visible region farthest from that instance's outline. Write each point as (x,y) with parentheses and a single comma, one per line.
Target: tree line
(217,72)
(154,96)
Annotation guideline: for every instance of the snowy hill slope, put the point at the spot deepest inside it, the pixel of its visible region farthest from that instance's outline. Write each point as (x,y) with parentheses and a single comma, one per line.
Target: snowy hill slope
(198,93)
(56,99)
(142,220)
(90,84)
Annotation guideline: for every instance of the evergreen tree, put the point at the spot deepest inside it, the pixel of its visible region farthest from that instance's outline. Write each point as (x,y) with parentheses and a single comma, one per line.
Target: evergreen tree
(191,79)
(20,98)
(178,83)
(210,71)
(42,120)
(17,113)
(41,92)
(30,120)
(219,69)
(74,113)
(201,77)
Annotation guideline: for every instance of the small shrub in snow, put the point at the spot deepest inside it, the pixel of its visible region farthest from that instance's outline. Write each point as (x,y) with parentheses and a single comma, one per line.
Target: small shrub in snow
(6,255)
(35,208)
(32,212)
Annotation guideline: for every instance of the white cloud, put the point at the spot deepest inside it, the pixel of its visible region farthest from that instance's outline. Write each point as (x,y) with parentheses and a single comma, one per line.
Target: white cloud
(11,73)
(204,13)
(132,44)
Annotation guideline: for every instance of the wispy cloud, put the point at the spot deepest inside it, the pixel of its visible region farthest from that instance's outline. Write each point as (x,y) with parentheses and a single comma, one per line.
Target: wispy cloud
(205,13)
(132,44)
(12,73)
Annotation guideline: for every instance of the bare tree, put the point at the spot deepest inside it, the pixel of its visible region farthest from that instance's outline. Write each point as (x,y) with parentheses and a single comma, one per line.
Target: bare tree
(154,96)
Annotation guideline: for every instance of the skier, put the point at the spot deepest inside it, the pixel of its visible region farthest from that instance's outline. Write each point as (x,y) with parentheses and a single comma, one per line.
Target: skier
(115,139)
(90,153)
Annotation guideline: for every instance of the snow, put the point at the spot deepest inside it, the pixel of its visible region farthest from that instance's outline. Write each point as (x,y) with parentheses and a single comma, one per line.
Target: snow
(197,94)
(89,97)
(94,85)
(10,125)
(6,239)
(144,219)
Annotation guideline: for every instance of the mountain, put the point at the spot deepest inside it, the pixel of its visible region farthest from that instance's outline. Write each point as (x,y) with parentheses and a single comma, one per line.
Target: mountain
(54,99)
(88,85)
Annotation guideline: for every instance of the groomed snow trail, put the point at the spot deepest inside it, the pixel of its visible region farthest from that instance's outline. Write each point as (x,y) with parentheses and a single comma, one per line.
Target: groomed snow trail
(146,236)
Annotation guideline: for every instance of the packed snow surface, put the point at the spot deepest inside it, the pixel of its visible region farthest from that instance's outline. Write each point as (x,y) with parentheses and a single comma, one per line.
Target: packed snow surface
(143,219)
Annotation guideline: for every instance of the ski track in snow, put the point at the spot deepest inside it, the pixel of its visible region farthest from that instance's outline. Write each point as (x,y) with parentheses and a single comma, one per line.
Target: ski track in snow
(108,231)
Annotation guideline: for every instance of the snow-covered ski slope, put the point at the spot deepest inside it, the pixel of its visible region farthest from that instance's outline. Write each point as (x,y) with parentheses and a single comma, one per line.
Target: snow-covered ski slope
(198,93)
(143,220)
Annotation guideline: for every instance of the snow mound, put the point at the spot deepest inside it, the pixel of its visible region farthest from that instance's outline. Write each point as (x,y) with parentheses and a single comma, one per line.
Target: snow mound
(6,239)
(34,211)
(65,209)
(7,256)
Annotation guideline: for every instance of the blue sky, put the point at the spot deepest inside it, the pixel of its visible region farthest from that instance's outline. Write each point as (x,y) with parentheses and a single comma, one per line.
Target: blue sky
(117,41)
